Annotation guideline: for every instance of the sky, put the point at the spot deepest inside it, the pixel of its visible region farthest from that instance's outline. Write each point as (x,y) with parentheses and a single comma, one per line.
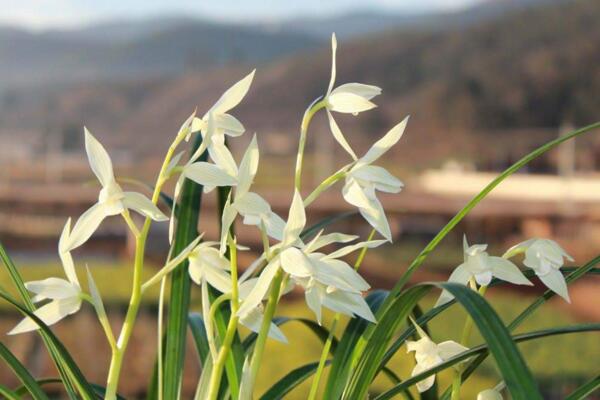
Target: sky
(39,14)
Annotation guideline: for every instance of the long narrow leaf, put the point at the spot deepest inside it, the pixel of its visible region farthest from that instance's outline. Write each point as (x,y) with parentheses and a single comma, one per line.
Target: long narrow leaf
(187,214)
(8,394)
(290,381)
(586,389)
(84,388)
(340,367)
(511,364)
(22,373)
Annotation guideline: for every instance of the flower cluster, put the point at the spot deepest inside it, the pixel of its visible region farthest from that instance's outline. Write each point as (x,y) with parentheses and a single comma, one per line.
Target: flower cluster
(544,256)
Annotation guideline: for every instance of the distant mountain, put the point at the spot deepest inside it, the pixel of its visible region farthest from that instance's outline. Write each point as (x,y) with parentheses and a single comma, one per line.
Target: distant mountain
(362,22)
(136,50)
(537,67)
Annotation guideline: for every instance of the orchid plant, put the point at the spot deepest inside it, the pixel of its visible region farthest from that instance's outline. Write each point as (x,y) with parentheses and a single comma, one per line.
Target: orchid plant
(293,257)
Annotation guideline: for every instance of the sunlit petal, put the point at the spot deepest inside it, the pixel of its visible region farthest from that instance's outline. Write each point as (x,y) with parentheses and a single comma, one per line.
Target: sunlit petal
(384,144)
(339,136)
(234,95)
(99,159)
(141,204)
(86,225)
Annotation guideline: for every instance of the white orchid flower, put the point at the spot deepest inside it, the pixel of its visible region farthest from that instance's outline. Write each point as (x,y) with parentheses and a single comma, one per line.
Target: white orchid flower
(363,179)
(482,267)
(545,257)
(65,294)
(112,200)
(428,354)
(328,281)
(254,317)
(255,209)
(207,263)
(224,123)
(351,98)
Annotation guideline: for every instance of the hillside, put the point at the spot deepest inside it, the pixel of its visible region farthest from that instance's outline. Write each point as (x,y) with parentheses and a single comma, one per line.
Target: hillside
(537,68)
(135,49)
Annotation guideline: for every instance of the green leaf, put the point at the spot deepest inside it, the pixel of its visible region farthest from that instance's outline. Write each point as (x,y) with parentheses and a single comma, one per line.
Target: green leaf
(82,385)
(484,348)
(196,324)
(8,394)
(22,373)
(340,367)
(373,343)
(290,381)
(187,214)
(586,389)
(18,282)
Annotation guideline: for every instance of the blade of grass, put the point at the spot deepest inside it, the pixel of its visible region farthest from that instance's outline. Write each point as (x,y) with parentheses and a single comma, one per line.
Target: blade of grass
(188,214)
(509,360)
(22,373)
(583,391)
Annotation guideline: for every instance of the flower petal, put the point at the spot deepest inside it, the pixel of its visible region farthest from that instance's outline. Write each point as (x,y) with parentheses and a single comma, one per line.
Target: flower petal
(314,299)
(248,167)
(339,274)
(378,177)
(459,275)
(85,226)
(208,174)
(260,289)
(507,271)
(359,89)
(348,103)
(53,288)
(223,158)
(227,219)
(555,281)
(371,244)
(65,256)
(354,303)
(229,124)
(234,95)
(449,349)
(296,221)
(325,240)
(95,294)
(296,263)
(384,144)
(49,313)
(253,321)
(141,204)
(275,226)
(99,159)
(339,136)
(426,383)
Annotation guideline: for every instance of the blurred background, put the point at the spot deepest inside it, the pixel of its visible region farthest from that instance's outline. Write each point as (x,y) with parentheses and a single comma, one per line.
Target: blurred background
(484,82)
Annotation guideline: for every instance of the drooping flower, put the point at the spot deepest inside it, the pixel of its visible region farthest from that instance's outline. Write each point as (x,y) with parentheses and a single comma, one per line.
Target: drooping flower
(328,281)
(480,266)
(206,263)
(65,295)
(112,200)
(255,209)
(428,354)
(545,257)
(254,317)
(363,179)
(351,98)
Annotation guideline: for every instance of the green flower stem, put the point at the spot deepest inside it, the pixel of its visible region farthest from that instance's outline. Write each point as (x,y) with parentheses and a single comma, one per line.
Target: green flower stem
(308,115)
(217,370)
(326,184)
(116,361)
(326,348)
(457,382)
(132,226)
(261,340)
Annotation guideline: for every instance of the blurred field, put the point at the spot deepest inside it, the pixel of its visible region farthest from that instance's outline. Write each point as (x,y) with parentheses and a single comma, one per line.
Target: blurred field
(559,363)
